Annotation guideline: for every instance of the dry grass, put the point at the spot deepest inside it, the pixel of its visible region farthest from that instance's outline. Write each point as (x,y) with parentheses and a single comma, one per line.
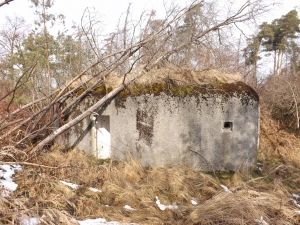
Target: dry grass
(178,75)
(259,194)
(244,207)
(40,193)
(277,144)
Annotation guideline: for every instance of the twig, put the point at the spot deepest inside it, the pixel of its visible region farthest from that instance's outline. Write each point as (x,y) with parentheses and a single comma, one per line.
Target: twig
(5,2)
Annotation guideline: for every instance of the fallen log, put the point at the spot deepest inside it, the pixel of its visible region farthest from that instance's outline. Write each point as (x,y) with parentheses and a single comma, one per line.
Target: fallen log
(79,118)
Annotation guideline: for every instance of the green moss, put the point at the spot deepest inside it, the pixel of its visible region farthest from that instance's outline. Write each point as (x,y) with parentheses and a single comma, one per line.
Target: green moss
(80,91)
(101,90)
(172,89)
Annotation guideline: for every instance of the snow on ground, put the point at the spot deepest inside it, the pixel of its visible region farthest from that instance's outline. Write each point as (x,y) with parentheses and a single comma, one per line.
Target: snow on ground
(70,185)
(163,207)
(296,203)
(296,199)
(194,202)
(128,207)
(98,221)
(101,221)
(6,181)
(296,196)
(76,186)
(29,221)
(261,221)
(94,189)
(226,189)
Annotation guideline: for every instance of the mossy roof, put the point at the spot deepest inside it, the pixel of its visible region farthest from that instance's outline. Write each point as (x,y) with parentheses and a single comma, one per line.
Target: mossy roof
(181,83)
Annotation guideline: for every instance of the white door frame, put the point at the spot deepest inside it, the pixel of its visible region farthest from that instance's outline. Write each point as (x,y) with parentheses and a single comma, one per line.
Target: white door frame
(103,137)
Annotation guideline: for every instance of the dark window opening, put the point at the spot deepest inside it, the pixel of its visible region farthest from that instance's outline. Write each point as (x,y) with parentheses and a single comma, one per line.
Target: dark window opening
(228,126)
(103,122)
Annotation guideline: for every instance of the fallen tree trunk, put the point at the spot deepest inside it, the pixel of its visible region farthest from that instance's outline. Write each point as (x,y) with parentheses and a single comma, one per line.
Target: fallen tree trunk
(88,112)
(41,118)
(79,118)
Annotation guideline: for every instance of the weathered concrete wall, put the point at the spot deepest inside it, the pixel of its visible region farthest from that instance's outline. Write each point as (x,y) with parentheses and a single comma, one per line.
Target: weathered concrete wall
(162,130)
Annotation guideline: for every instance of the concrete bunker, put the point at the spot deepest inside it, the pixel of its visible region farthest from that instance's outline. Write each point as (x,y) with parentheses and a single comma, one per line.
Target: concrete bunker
(208,126)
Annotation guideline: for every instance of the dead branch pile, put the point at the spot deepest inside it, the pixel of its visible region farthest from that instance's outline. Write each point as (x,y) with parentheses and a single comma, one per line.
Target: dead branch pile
(40,193)
(37,124)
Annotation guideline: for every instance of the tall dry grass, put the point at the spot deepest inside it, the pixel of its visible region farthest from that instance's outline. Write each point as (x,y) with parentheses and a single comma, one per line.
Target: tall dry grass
(258,197)
(277,144)
(40,193)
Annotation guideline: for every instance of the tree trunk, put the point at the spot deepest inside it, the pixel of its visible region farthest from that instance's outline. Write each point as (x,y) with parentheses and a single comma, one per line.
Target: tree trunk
(79,118)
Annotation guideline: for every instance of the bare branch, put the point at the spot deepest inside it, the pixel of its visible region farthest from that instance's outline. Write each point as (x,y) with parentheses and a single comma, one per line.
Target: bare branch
(5,2)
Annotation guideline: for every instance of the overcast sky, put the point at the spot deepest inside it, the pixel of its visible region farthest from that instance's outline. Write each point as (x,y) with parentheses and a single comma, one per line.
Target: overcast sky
(110,10)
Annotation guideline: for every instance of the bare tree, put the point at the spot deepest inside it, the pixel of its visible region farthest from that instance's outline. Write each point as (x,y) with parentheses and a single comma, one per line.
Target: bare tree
(155,47)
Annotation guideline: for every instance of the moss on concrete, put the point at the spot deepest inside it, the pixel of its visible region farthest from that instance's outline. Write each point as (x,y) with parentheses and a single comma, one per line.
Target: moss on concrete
(226,89)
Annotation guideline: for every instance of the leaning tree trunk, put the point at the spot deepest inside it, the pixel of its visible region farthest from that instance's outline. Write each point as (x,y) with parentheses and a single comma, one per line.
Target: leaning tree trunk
(79,118)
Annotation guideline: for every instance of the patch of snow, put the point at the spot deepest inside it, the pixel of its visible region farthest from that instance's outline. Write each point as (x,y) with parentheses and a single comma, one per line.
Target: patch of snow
(70,185)
(226,189)
(17,66)
(94,189)
(29,221)
(295,202)
(163,207)
(76,186)
(100,221)
(92,221)
(52,58)
(128,207)
(53,83)
(194,202)
(6,181)
(296,199)
(261,221)
(296,196)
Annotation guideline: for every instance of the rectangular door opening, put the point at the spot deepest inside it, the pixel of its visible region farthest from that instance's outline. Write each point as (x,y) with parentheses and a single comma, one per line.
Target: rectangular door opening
(103,137)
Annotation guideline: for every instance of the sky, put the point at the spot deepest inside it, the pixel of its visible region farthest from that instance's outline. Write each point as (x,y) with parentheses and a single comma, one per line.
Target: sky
(109,12)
